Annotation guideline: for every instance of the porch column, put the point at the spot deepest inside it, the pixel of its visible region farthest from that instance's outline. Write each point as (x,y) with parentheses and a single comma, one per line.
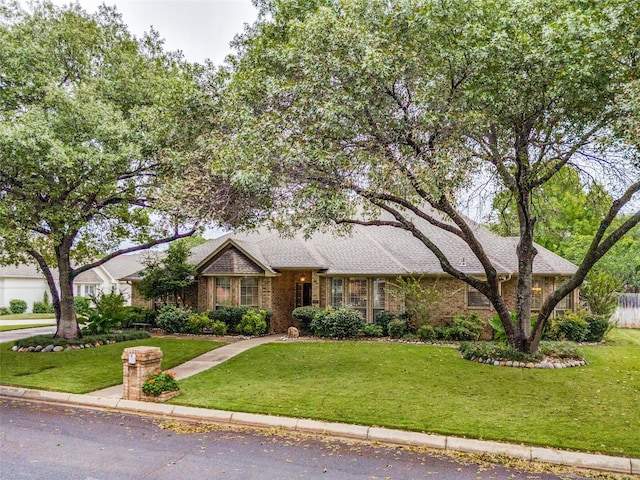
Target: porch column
(315,289)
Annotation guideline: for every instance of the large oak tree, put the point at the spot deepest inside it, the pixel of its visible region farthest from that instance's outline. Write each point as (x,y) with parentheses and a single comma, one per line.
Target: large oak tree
(350,110)
(95,126)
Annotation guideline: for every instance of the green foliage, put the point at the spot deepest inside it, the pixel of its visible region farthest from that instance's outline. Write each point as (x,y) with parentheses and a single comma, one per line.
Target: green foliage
(5,311)
(426,333)
(253,323)
(160,382)
(448,107)
(383,318)
(339,323)
(45,340)
(466,328)
(231,316)
(320,325)
(93,125)
(168,276)
(421,300)
(17,306)
(173,319)
(599,327)
(197,323)
(397,328)
(218,328)
(572,326)
(304,316)
(373,330)
(599,289)
(43,306)
(82,306)
(503,352)
(108,313)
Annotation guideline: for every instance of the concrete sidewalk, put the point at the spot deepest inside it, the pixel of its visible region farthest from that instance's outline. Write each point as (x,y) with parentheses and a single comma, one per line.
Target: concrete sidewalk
(201,363)
(13,335)
(111,398)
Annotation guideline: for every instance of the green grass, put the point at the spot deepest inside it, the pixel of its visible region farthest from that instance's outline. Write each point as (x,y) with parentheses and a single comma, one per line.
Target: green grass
(7,328)
(82,371)
(28,316)
(431,389)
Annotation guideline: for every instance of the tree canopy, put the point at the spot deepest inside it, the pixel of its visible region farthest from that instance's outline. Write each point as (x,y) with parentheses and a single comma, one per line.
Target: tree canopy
(340,111)
(95,130)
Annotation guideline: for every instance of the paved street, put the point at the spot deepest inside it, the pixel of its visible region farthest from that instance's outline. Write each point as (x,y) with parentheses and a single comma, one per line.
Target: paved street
(58,442)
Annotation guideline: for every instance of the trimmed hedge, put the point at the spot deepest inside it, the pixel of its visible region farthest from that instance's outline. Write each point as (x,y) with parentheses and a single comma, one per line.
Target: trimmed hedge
(89,339)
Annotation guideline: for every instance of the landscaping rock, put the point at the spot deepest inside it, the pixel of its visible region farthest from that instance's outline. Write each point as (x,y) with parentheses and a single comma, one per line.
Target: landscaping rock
(530,365)
(38,348)
(59,348)
(14,348)
(48,348)
(509,363)
(293,332)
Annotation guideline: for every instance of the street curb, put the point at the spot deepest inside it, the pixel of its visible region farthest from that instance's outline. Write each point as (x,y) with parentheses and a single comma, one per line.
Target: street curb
(354,432)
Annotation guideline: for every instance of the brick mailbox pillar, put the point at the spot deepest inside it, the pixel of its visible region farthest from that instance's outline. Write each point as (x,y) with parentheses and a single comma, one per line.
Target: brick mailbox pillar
(138,363)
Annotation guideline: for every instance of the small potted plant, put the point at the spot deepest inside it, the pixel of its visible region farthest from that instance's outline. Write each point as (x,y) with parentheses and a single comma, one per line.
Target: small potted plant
(160,387)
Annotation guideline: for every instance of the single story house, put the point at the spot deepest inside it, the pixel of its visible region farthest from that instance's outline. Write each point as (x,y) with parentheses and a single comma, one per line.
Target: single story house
(263,269)
(26,282)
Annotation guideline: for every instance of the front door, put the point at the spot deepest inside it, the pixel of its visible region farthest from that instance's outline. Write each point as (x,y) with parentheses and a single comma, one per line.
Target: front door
(303,294)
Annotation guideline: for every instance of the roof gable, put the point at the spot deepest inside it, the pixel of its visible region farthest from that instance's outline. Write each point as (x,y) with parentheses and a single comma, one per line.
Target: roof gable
(231,261)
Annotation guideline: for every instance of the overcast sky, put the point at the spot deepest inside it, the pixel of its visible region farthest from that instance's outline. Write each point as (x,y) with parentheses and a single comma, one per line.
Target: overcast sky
(200,28)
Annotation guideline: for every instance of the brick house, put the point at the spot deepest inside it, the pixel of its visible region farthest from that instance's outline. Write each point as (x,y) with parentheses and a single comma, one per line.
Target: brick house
(262,269)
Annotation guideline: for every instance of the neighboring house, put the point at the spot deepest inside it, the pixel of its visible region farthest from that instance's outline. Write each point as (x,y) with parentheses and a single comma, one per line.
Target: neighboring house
(262,269)
(26,282)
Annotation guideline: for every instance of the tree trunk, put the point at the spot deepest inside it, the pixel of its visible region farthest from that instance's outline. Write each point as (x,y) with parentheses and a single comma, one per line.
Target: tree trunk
(68,323)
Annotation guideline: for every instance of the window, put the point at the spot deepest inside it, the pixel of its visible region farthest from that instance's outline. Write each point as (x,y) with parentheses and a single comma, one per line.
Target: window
(536,293)
(336,292)
(476,299)
(85,290)
(358,295)
(379,304)
(249,292)
(223,291)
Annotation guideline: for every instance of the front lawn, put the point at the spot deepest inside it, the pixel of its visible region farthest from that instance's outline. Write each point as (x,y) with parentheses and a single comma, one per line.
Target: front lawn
(28,316)
(82,371)
(7,328)
(431,389)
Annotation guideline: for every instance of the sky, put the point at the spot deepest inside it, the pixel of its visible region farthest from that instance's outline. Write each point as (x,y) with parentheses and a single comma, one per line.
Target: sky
(200,28)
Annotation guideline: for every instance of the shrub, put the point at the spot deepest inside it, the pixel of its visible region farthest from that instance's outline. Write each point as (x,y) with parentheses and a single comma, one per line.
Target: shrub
(599,289)
(340,323)
(320,325)
(426,333)
(4,311)
(383,318)
(41,307)
(495,351)
(372,330)
(231,316)
(572,326)
(218,328)
(599,326)
(160,382)
(107,314)
(91,339)
(253,323)
(81,305)
(560,350)
(442,333)
(304,317)
(17,306)
(197,322)
(466,328)
(397,328)
(173,319)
